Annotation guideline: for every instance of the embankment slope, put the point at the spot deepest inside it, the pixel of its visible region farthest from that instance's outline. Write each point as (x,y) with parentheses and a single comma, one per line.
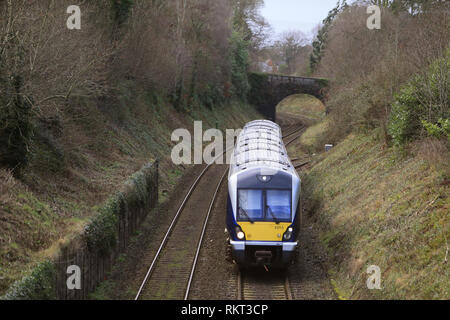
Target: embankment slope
(382,207)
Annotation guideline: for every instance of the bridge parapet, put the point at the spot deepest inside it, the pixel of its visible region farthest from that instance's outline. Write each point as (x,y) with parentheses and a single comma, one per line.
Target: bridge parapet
(277,79)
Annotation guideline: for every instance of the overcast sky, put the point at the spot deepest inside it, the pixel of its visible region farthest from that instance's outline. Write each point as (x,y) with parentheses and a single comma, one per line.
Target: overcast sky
(304,15)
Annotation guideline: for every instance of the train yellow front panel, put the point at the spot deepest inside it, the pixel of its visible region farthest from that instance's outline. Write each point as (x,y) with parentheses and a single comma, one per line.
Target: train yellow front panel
(264,231)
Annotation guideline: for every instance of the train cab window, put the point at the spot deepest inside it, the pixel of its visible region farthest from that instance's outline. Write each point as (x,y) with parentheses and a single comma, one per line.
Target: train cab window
(278,204)
(250,205)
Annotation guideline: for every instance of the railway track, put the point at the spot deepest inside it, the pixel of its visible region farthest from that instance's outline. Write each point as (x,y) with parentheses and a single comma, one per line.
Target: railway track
(294,135)
(292,129)
(194,265)
(172,270)
(262,285)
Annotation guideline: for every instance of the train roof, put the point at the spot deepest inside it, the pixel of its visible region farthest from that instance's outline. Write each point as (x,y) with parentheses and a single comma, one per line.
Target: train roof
(260,144)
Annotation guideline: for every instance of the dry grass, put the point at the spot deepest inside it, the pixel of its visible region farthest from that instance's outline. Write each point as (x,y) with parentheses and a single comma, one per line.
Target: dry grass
(304,106)
(313,136)
(434,152)
(377,207)
(7,185)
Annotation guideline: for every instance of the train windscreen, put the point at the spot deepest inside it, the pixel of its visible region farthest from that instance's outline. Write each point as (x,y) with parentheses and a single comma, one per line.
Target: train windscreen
(250,205)
(264,205)
(278,205)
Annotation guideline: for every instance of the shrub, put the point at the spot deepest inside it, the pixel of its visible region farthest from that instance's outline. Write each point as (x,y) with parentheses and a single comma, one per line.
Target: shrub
(422,104)
(39,285)
(211,96)
(100,234)
(438,130)
(404,122)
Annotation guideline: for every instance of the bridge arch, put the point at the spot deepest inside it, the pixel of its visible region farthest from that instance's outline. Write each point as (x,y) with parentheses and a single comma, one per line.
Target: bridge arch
(267,90)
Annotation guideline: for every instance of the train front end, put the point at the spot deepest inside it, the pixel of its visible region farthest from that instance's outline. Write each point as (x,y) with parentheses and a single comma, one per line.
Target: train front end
(263,199)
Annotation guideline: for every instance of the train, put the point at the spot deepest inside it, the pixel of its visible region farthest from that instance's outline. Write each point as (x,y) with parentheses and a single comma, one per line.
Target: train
(263,207)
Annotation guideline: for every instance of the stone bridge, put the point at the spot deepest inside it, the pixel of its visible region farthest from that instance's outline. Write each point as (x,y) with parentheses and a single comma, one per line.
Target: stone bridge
(268,90)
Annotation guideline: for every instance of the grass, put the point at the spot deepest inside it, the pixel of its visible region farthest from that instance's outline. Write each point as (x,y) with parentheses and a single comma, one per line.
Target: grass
(311,112)
(311,136)
(380,206)
(27,224)
(101,293)
(303,105)
(375,206)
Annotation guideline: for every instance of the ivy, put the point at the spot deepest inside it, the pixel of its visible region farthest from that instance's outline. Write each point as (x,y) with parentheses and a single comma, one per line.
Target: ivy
(39,285)
(259,84)
(239,65)
(100,234)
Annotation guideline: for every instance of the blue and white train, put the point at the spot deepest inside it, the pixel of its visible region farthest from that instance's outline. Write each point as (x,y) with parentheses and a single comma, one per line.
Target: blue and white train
(263,208)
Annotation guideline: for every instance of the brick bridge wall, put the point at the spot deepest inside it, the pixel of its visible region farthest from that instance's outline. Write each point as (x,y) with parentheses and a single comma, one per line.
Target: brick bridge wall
(268,90)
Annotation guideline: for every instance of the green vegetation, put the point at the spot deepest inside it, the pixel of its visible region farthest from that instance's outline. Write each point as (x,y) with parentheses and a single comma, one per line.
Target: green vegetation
(439,130)
(28,224)
(239,65)
(311,137)
(39,285)
(377,81)
(102,291)
(258,86)
(61,203)
(101,233)
(423,103)
(69,140)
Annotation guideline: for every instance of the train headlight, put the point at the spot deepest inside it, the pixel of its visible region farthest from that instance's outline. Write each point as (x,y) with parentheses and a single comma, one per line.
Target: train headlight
(288,234)
(239,233)
(264,178)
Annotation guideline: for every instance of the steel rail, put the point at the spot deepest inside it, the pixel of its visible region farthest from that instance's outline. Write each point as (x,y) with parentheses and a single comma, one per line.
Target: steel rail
(194,264)
(169,230)
(174,220)
(296,137)
(296,127)
(241,284)
(301,165)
